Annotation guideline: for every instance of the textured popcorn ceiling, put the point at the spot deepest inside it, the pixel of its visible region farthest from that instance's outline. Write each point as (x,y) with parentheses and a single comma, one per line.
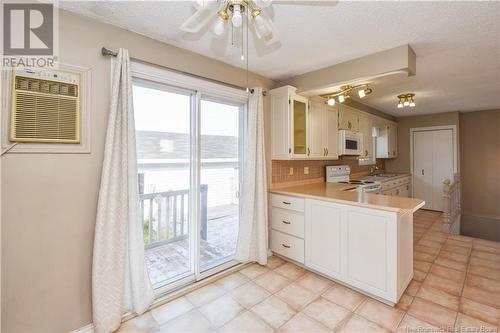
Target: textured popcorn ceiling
(457,44)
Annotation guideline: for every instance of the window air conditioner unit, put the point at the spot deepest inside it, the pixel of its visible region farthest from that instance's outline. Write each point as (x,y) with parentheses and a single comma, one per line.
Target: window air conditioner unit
(45,106)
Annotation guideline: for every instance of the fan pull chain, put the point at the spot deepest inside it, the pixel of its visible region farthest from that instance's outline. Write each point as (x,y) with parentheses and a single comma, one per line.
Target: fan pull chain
(248,22)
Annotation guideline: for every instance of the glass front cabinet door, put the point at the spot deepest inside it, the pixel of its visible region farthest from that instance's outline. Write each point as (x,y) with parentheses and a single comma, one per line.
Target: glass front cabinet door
(299,126)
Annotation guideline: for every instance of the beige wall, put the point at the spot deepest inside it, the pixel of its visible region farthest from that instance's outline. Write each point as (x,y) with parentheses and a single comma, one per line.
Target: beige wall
(480,172)
(402,162)
(49,201)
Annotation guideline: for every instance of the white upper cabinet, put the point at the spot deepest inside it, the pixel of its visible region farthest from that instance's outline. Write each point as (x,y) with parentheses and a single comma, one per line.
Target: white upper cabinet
(323,132)
(317,111)
(280,123)
(289,121)
(348,118)
(303,128)
(299,107)
(387,140)
(365,128)
(331,132)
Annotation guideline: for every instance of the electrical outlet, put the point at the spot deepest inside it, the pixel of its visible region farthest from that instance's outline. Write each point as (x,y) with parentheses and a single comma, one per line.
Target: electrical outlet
(306,170)
(291,172)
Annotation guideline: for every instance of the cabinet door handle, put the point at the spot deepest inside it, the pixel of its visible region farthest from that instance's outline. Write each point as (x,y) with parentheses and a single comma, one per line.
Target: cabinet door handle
(286,202)
(326,151)
(285,246)
(423,173)
(366,152)
(349,125)
(308,151)
(286,222)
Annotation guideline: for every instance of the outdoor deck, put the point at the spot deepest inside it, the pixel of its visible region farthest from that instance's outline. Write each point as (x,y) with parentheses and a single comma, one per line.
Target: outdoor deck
(172,259)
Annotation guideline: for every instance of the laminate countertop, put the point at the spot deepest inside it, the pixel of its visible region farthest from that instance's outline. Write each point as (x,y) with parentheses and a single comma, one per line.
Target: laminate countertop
(337,193)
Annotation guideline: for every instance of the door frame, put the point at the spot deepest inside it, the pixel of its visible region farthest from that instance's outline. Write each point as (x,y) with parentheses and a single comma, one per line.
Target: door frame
(200,88)
(453,128)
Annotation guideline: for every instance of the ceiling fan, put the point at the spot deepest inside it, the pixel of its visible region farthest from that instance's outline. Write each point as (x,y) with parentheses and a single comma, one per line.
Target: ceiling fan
(233,12)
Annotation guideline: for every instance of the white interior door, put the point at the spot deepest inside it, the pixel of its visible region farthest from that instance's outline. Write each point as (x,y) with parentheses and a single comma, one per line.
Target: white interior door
(433,162)
(422,167)
(442,164)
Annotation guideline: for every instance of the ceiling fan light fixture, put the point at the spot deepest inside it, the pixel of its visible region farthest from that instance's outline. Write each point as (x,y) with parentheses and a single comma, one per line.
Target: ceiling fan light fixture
(400,105)
(341,98)
(361,93)
(223,14)
(237,19)
(219,27)
(331,101)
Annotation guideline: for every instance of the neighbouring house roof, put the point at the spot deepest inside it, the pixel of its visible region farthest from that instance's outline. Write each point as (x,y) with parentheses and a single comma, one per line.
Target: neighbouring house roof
(164,145)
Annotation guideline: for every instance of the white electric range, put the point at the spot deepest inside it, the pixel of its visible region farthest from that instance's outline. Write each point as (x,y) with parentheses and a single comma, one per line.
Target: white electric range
(340,174)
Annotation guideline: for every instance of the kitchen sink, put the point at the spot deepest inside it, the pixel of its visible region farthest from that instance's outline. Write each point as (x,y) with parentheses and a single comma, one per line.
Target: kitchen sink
(386,175)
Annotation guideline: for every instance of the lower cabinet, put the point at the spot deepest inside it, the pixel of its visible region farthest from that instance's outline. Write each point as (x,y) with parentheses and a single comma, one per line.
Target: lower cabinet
(400,187)
(368,249)
(323,237)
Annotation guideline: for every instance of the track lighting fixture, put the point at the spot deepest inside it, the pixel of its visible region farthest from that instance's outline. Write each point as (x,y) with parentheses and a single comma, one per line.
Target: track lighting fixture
(345,91)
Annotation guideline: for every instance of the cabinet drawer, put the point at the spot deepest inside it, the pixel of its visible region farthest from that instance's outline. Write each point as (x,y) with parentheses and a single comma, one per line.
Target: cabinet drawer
(287,202)
(288,222)
(288,246)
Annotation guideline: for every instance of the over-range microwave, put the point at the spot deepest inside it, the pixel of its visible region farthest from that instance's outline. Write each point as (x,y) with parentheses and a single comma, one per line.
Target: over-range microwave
(350,143)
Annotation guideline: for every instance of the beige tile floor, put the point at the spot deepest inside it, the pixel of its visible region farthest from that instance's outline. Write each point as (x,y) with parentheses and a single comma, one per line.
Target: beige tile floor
(456,288)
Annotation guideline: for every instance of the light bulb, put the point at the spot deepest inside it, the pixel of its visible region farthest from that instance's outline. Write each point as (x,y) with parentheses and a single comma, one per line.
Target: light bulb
(400,105)
(331,101)
(406,103)
(361,93)
(341,99)
(412,104)
(261,27)
(219,27)
(237,19)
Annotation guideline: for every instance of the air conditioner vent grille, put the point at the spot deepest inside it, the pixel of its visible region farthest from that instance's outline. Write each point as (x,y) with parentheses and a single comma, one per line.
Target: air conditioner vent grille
(45,111)
(46,87)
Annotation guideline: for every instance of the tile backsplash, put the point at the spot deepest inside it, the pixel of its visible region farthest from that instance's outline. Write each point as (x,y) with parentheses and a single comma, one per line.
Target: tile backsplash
(280,172)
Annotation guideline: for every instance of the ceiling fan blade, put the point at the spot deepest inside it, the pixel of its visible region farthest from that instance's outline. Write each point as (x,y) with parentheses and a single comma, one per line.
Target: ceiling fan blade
(205,12)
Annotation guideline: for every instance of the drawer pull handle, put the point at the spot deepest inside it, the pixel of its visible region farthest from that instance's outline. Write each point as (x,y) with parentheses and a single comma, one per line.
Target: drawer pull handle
(286,246)
(287,203)
(286,222)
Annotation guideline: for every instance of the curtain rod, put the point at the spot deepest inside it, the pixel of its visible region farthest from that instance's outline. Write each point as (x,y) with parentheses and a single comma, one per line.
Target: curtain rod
(110,53)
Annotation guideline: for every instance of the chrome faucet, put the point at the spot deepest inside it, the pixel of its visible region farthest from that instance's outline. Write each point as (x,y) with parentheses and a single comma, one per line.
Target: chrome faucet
(373,168)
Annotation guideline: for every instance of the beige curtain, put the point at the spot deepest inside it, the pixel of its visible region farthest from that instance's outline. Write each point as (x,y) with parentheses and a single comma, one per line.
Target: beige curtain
(253,234)
(120,282)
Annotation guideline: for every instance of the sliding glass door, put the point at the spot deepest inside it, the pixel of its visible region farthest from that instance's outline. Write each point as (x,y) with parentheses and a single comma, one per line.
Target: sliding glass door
(220,144)
(189,153)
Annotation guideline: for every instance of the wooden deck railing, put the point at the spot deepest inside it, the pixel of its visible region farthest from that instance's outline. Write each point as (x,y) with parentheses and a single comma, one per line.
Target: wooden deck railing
(165,216)
(452,209)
